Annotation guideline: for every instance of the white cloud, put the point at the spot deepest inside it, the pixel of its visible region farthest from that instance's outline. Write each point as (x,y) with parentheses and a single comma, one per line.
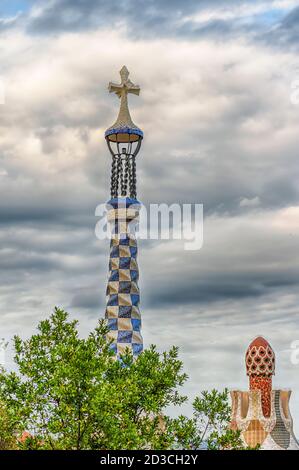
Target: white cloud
(253,202)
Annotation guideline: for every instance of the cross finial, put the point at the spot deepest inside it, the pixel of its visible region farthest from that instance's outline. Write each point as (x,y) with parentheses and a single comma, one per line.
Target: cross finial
(124,127)
(126,86)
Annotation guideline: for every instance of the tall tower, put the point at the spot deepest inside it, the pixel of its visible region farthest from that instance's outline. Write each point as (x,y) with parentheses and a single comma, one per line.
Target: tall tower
(124,141)
(262,414)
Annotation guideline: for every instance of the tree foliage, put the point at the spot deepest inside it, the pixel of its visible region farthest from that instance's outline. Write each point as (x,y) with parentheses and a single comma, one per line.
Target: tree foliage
(8,428)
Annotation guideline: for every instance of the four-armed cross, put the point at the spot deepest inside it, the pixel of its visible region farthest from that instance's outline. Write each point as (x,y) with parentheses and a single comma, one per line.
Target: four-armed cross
(126,86)
(124,127)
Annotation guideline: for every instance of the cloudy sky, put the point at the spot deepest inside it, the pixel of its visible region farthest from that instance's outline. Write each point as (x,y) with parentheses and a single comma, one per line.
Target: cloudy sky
(221,128)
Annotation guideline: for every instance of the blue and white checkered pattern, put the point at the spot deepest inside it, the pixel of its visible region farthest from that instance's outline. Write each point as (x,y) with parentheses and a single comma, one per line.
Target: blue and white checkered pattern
(122,310)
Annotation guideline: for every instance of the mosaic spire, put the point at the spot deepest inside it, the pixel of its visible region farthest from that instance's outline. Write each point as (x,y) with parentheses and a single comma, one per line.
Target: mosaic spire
(262,415)
(122,310)
(260,367)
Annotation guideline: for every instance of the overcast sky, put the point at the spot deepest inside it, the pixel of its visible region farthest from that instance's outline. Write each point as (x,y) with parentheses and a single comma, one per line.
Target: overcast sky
(220,129)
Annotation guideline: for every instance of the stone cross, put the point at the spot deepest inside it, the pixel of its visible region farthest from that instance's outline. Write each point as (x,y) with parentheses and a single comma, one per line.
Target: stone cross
(126,86)
(124,119)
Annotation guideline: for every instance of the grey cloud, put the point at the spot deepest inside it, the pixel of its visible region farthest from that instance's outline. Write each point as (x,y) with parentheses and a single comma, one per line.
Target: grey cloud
(69,15)
(9,23)
(291,20)
(236,261)
(88,298)
(286,33)
(141,18)
(147,19)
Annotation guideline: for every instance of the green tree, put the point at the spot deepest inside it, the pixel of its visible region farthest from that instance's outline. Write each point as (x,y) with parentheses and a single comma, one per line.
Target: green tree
(212,413)
(209,426)
(70,393)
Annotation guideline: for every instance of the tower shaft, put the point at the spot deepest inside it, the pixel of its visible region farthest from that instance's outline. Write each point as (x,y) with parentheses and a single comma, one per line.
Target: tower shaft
(122,310)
